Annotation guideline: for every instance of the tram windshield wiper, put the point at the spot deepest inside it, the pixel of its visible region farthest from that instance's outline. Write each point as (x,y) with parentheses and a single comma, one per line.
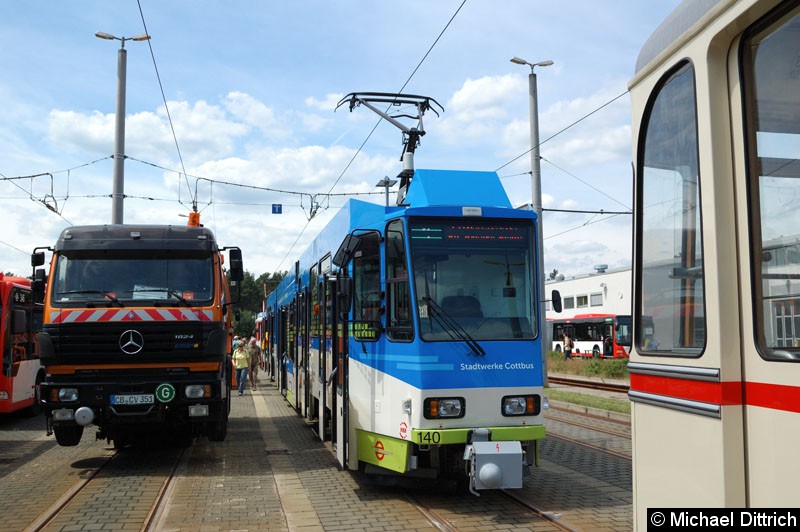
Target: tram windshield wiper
(104,293)
(452,327)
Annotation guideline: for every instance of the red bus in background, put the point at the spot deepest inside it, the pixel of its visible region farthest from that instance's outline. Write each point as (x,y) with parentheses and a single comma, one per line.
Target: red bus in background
(21,370)
(594,335)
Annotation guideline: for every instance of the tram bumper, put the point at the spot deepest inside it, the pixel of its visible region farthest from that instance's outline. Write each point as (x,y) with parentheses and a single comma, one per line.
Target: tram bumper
(493,464)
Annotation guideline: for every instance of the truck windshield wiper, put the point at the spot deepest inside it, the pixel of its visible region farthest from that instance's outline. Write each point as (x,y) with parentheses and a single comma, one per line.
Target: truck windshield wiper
(452,327)
(169,291)
(104,293)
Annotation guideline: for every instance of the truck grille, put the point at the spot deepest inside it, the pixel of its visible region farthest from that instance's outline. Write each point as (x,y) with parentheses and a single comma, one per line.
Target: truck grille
(132,341)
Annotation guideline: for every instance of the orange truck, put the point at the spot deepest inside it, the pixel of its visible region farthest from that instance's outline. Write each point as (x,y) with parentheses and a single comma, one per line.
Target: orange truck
(136,332)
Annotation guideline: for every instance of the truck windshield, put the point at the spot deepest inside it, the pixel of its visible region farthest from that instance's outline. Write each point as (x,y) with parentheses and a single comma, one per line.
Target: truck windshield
(479,274)
(123,279)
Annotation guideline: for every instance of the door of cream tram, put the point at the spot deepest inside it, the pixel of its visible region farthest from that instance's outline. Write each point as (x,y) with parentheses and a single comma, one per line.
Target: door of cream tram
(768,206)
(715,367)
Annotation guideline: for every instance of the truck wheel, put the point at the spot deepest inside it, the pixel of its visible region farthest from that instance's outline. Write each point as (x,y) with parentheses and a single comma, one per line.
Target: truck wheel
(218,429)
(68,436)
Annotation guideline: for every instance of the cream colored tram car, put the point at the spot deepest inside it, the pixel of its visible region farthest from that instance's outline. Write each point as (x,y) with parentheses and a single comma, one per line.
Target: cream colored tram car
(715,367)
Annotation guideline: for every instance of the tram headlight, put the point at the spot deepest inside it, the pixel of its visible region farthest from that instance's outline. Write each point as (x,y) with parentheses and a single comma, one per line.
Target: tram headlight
(520,405)
(444,407)
(67,395)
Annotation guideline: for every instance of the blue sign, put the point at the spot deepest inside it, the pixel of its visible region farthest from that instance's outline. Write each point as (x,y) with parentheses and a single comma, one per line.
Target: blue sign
(277,208)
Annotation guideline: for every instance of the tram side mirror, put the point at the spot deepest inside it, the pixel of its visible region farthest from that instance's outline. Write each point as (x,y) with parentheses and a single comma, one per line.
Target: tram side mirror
(237,267)
(37,285)
(344,291)
(346,249)
(555,299)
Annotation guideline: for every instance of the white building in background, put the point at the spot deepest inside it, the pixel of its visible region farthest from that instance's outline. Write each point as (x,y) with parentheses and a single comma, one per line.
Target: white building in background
(602,292)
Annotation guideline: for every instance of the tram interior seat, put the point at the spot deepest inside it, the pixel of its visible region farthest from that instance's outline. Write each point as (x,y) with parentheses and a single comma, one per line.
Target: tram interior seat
(462,307)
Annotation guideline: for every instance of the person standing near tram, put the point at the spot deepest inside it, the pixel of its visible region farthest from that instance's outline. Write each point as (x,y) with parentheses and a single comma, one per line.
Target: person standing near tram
(254,351)
(568,345)
(241,361)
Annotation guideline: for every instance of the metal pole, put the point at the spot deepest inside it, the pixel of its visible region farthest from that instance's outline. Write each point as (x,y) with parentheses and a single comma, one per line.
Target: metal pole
(118,193)
(536,204)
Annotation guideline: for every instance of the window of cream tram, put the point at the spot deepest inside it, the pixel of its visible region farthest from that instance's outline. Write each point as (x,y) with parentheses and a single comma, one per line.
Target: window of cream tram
(670,293)
(770,65)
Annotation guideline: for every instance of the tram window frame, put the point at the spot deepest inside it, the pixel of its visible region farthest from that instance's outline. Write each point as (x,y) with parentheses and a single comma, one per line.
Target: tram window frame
(399,319)
(670,290)
(776,308)
(367,293)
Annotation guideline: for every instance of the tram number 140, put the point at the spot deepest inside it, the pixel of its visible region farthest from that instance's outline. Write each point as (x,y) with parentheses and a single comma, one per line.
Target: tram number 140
(430,437)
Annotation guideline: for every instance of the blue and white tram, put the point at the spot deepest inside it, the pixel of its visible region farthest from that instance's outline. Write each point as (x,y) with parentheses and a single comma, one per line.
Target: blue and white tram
(408,334)
(715,365)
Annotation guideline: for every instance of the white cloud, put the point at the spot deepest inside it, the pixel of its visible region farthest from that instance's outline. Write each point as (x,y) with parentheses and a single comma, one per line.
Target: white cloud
(327,104)
(479,109)
(248,110)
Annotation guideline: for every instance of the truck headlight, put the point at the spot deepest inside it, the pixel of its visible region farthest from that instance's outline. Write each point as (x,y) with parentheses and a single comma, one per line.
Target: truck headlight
(67,395)
(445,407)
(197,391)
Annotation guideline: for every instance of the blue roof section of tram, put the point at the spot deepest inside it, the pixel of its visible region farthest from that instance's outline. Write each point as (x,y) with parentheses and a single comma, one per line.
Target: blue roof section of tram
(455,187)
(448,189)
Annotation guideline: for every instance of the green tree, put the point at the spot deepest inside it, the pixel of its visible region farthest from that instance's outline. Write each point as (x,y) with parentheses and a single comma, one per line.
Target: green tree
(253,291)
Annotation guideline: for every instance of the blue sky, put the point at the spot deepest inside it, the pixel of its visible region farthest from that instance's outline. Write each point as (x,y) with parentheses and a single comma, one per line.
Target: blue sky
(251,88)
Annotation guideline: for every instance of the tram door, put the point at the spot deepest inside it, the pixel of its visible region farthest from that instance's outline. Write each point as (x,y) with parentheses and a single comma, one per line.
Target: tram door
(324,363)
(305,341)
(339,343)
(283,349)
(770,195)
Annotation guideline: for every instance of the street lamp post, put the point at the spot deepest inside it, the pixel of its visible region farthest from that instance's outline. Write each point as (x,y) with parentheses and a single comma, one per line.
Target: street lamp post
(118,192)
(536,201)
(387,184)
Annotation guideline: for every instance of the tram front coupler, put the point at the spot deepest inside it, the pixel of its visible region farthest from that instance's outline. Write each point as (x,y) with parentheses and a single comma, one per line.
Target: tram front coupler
(493,464)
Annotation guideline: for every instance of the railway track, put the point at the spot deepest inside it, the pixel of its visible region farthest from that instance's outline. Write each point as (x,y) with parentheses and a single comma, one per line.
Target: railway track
(590,384)
(106,482)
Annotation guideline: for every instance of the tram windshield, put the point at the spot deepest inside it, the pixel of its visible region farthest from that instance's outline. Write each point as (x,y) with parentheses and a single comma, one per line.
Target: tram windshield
(120,279)
(773,112)
(473,275)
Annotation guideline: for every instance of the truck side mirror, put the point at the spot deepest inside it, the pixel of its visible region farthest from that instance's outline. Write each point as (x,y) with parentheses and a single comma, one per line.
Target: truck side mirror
(237,267)
(37,285)
(37,259)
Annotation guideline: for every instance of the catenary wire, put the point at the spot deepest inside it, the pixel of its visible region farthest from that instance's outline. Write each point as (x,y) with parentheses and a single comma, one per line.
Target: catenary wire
(413,72)
(369,135)
(557,133)
(166,107)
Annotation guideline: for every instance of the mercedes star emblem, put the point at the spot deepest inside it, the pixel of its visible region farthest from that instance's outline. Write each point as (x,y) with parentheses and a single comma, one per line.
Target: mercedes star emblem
(131,342)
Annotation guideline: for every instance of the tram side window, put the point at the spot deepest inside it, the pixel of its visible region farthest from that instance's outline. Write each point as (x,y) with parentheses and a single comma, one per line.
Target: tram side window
(398,294)
(313,285)
(771,81)
(670,244)
(367,278)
